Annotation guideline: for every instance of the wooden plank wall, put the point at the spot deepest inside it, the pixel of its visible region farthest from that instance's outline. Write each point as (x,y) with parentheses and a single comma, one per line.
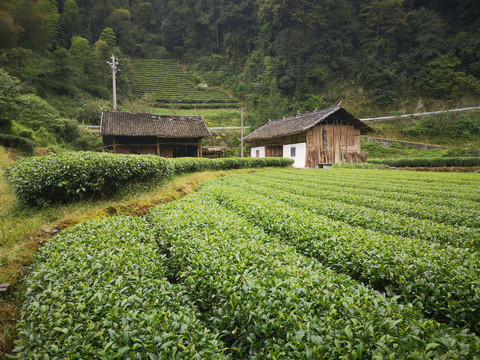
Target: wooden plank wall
(341,139)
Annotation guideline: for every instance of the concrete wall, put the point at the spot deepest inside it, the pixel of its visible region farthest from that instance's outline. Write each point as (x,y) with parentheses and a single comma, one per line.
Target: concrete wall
(261,150)
(300,154)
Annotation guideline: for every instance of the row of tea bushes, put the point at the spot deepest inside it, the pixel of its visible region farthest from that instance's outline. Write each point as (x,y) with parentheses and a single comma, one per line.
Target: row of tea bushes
(271,302)
(99,291)
(358,211)
(443,280)
(429,162)
(442,207)
(187,165)
(76,175)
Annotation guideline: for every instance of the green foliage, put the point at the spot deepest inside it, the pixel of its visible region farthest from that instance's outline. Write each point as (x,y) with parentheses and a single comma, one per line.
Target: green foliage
(80,60)
(239,270)
(346,165)
(167,83)
(100,291)
(75,175)
(429,162)
(108,35)
(23,143)
(241,275)
(453,130)
(9,98)
(311,225)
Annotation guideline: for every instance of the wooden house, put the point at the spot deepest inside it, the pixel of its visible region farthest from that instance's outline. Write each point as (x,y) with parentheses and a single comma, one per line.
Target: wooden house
(313,140)
(169,136)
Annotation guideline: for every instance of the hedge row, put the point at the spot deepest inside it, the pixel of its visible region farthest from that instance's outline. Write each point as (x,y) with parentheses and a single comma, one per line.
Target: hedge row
(428,162)
(76,175)
(17,141)
(187,165)
(99,291)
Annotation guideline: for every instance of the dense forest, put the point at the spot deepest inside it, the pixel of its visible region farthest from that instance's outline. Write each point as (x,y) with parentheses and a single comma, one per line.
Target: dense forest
(276,56)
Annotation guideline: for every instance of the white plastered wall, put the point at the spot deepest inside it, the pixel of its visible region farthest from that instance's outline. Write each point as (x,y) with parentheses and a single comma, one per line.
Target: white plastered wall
(300,154)
(261,151)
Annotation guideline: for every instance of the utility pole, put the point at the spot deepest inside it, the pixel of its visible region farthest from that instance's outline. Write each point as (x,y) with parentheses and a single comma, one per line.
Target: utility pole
(241,136)
(114,66)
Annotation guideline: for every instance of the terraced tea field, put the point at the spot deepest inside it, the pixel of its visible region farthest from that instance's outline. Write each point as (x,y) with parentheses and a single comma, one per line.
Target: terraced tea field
(286,264)
(169,85)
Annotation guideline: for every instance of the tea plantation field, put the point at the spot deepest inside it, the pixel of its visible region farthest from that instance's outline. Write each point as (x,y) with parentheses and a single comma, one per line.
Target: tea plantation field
(285,264)
(169,85)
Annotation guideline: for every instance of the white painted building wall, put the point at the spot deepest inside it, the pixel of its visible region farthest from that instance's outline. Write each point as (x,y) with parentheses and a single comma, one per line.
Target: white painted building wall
(299,154)
(260,153)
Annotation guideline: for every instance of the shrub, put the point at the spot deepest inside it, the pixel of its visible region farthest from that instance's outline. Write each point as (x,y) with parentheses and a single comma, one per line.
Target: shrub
(75,175)
(17,141)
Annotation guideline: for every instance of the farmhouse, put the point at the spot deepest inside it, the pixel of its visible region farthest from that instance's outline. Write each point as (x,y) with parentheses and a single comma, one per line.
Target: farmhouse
(322,137)
(164,135)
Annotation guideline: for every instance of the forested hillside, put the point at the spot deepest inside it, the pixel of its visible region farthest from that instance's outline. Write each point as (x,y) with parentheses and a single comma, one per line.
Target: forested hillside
(276,56)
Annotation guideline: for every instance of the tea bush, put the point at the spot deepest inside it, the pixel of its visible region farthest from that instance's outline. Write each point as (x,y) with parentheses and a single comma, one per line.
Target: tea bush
(75,175)
(17,141)
(99,291)
(434,276)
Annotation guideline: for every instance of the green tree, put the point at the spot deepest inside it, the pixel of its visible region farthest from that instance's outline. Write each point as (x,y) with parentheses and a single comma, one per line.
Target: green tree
(9,97)
(39,21)
(9,30)
(80,59)
(108,35)
(69,22)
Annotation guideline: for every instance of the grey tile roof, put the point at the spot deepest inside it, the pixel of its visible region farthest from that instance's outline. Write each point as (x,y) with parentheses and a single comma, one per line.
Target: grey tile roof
(301,123)
(144,124)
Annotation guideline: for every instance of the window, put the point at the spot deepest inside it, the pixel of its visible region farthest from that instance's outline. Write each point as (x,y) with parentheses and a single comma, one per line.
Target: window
(293,151)
(257,153)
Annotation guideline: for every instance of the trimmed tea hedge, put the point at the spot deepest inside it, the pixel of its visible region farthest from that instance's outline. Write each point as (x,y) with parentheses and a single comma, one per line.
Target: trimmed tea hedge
(425,222)
(99,291)
(429,162)
(76,175)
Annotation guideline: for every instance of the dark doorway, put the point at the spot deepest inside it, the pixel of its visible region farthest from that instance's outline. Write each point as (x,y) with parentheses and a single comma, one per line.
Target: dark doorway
(184,151)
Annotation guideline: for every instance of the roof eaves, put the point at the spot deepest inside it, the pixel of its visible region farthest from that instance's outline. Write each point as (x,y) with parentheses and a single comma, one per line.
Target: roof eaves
(335,109)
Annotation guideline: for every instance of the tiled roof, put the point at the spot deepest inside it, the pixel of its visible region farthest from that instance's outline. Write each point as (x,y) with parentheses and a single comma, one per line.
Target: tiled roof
(302,123)
(144,124)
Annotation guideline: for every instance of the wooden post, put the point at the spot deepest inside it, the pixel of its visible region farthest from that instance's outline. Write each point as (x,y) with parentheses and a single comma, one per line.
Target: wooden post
(200,148)
(114,145)
(158,147)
